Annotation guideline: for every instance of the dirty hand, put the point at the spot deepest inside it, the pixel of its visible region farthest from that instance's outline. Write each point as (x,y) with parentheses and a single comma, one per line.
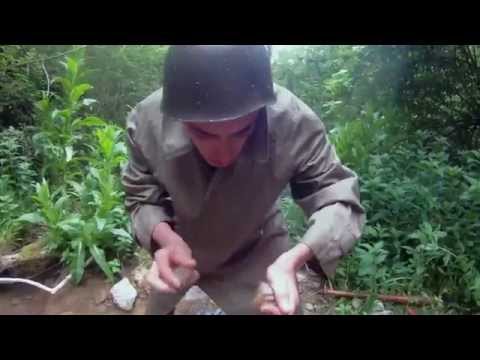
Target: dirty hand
(173,267)
(280,295)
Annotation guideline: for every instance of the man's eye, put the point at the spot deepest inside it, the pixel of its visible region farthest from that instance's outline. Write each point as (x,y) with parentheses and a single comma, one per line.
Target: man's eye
(202,134)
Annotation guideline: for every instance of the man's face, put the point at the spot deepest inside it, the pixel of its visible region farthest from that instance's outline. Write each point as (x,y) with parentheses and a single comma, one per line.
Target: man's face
(220,143)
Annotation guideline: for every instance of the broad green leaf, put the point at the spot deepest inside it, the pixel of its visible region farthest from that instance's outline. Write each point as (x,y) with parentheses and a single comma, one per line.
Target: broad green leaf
(71,225)
(43,192)
(78,188)
(100,223)
(43,105)
(66,84)
(121,148)
(72,67)
(99,257)
(78,91)
(95,173)
(93,121)
(32,218)
(54,114)
(121,233)
(59,203)
(106,138)
(78,263)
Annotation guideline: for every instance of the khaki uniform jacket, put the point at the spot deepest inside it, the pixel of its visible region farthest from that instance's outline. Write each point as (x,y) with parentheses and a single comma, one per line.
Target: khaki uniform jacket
(222,215)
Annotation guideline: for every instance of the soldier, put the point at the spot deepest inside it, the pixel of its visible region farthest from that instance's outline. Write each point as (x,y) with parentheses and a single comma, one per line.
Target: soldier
(210,154)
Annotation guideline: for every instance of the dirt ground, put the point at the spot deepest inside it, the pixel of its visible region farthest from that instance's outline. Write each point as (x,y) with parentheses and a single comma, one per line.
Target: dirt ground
(92,297)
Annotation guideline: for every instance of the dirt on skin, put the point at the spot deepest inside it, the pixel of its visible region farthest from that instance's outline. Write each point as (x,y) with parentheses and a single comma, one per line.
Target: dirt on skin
(92,297)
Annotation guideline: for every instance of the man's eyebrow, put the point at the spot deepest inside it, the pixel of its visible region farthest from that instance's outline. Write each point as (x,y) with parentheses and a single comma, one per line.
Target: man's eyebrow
(201,131)
(248,127)
(244,129)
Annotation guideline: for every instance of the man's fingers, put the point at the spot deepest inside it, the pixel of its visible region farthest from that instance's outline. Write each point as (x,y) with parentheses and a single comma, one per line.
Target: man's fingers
(165,271)
(282,295)
(195,276)
(264,294)
(285,289)
(265,300)
(160,286)
(155,282)
(186,276)
(183,260)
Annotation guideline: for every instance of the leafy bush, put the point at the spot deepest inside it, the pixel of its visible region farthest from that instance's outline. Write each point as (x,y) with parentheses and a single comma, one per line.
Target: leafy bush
(295,219)
(9,227)
(435,85)
(82,156)
(20,77)
(16,160)
(422,224)
(121,75)
(322,76)
(17,177)
(63,136)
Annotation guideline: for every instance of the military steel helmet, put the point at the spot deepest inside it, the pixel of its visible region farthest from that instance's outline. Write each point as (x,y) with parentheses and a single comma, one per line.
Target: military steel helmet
(216,82)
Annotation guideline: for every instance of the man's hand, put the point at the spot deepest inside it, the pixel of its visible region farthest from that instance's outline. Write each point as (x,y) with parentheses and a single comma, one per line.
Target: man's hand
(173,267)
(280,295)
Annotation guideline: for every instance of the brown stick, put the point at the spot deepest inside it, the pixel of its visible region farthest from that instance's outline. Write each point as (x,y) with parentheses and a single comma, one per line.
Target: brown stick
(388,298)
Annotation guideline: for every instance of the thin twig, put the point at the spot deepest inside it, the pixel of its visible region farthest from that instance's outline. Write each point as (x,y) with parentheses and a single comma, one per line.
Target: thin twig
(48,78)
(388,298)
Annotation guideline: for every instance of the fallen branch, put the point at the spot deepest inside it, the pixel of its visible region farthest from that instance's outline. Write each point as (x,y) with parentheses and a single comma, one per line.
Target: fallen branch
(406,300)
(30,259)
(53,291)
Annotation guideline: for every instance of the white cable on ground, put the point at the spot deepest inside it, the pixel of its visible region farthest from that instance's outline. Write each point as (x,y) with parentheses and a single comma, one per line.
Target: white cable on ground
(52,291)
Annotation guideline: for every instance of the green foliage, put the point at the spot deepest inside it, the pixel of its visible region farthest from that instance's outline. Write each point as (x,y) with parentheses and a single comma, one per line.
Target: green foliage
(421,189)
(20,77)
(296,222)
(82,156)
(439,89)
(322,76)
(371,133)
(9,228)
(16,160)
(121,75)
(63,136)
(431,87)
(422,224)
(17,176)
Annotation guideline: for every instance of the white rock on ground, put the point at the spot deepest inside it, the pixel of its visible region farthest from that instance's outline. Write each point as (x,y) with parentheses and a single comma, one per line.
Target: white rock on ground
(379,309)
(124,294)
(309,307)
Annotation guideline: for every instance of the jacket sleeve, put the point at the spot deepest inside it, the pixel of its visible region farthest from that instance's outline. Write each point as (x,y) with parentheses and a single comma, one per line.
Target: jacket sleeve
(328,193)
(146,199)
